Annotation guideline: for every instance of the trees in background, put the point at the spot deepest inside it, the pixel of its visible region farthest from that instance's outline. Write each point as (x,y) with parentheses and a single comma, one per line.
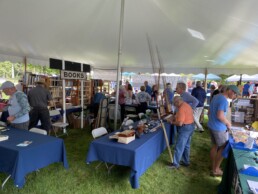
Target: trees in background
(15,71)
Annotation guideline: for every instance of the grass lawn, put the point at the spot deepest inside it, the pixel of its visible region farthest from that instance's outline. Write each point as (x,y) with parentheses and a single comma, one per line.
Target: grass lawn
(82,178)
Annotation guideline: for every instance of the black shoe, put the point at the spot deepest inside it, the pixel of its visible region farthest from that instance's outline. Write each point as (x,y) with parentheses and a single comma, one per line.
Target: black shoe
(183,164)
(172,166)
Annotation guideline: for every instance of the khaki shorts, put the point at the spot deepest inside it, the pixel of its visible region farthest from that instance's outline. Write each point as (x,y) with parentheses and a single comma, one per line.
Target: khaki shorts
(219,137)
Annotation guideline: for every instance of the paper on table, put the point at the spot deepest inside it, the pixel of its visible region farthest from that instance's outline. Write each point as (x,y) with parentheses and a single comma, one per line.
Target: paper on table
(253,185)
(247,166)
(237,128)
(3,137)
(253,134)
(24,144)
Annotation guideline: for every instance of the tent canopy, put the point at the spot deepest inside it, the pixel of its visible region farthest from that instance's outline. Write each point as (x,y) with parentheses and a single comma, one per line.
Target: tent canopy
(189,36)
(245,77)
(210,76)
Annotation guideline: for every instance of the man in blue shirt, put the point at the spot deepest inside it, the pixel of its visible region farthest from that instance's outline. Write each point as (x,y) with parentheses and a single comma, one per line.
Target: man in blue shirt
(218,125)
(187,97)
(199,93)
(245,90)
(147,88)
(98,96)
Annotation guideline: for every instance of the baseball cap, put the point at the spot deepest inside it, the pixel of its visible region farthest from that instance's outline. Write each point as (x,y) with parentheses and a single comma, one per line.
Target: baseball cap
(6,84)
(234,88)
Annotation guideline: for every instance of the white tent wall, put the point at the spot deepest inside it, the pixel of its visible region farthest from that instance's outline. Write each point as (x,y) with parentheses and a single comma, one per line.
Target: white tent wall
(86,31)
(104,74)
(38,62)
(11,58)
(138,80)
(17,59)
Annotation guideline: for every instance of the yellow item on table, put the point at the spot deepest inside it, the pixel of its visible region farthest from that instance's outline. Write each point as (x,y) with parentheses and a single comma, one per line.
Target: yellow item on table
(255,125)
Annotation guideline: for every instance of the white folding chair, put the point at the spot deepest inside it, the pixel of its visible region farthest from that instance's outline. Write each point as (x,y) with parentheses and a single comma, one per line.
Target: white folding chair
(39,131)
(57,125)
(98,132)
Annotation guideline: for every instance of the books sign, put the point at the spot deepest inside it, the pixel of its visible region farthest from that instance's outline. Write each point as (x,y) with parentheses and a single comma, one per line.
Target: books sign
(73,75)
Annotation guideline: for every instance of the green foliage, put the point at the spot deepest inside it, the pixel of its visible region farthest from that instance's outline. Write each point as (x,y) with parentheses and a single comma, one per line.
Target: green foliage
(18,70)
(82,178)
(223,78)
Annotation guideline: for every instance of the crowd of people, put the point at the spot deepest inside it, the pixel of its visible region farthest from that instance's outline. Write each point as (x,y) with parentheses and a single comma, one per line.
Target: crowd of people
(25,111)
(188,109)
(187,116)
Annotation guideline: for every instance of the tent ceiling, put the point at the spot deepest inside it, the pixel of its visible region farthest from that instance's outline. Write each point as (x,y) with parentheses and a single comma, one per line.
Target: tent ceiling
(87,31)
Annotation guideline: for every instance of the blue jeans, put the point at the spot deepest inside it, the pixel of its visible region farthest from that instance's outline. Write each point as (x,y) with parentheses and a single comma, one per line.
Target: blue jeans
(182,149)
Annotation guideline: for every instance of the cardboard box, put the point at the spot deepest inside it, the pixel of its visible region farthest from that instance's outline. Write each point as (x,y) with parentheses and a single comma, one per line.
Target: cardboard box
(77,123)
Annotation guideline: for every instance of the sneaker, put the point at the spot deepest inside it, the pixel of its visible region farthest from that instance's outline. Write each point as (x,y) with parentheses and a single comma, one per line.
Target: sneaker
(172,166)
(216,174)
(201,130)
(184,164)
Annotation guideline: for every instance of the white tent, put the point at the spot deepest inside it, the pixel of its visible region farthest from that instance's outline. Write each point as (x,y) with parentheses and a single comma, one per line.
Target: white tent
(192,36)
(210,76)
(245,77)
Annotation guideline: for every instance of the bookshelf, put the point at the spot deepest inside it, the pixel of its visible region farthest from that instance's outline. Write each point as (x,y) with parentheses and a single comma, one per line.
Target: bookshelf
(89,87)
(107,86)
(30,79)
(244,111)
(55,88)
(53,83)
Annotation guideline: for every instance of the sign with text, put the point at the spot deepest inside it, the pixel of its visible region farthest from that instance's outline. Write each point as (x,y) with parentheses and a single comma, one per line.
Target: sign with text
(73,75)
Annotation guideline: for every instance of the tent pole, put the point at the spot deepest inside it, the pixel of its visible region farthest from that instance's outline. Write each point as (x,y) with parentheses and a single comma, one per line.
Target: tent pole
(63,88)
(118,75)
(25,75)
(158,111)
(82,98)
(205,79)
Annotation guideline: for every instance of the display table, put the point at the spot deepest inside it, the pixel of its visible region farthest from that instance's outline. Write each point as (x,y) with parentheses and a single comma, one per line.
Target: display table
(19,161)
(139,155)
(235,178)
(136,106)
(73,109)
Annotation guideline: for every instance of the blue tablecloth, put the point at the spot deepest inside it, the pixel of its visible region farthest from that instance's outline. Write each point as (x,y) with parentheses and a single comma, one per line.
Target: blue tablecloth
(19,161)
(71,110)
(139,154)
(151,107)
(240,145)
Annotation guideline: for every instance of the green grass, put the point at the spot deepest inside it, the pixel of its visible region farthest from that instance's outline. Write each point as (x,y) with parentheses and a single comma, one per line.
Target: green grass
(82,178)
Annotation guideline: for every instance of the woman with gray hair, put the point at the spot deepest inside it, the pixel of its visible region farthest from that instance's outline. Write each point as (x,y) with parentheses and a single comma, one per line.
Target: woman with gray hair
(142,99)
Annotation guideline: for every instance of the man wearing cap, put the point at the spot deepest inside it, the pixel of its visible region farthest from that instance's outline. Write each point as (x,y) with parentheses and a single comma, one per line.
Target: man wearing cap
(19,86)
(18,106)
(38,99)
(219,125)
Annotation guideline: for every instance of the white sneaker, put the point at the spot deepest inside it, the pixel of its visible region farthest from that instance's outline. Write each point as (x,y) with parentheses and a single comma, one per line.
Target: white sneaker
(201,130)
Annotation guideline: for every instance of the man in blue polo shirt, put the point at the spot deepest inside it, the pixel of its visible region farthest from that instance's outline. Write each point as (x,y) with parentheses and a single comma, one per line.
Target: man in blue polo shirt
(219,125)
(186,96)
(147,88)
